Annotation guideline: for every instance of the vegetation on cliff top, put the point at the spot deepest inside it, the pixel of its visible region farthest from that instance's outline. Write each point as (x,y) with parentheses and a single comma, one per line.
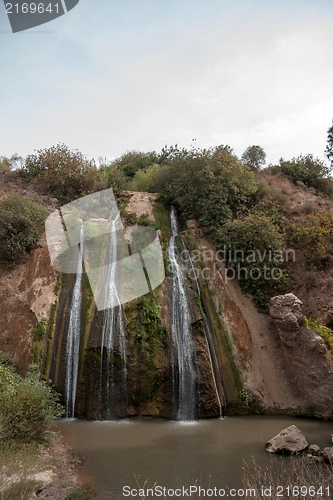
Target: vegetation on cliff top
(21,224)
(228,196)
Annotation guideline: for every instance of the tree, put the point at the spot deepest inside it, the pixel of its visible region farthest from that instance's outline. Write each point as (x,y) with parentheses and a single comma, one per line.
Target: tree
(211,185)
(132,161)
(13,163)
(64,173)
(254,157)
(329,146)
(311,171)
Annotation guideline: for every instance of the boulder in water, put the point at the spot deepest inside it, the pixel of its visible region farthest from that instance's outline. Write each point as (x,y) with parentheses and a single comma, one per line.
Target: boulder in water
(289,441)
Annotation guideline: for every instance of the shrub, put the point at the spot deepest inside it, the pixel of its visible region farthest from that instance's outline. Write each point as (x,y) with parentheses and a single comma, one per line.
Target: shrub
(325,332)
(21,223)
(145,180)
(38,332)
(5,360)
(253,247)
(211,185)
(64,173)
(133,161)
(113,177)
(12,163)
(315,236)
(28,406)
(4,164)
(311,171)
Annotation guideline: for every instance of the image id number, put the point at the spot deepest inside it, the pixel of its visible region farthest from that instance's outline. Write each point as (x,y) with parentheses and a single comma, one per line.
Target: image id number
(31,8)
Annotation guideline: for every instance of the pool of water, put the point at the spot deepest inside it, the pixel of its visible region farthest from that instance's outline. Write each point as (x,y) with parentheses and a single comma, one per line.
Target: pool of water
(174,454)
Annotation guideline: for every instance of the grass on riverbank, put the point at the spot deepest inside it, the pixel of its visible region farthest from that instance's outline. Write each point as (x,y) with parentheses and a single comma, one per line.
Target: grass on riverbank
(19,463)
(294,477)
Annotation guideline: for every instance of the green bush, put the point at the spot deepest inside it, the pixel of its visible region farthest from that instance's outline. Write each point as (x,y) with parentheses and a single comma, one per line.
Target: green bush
(315,236)
(133,161)
(64,173)
(38,332)
(5,360)
(21,224)
(28,406)
(210,185)
(145,180)
(311,171)
(253,247)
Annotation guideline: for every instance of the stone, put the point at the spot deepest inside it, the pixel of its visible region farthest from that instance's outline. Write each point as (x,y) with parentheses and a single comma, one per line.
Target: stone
(328,455)
(314,449)
(313,459)
(286,310)
(43,478)
(317,344)
(288,441)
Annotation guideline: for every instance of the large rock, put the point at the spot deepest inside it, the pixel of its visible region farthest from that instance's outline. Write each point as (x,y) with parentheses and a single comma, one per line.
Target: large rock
(286,310)
(290,440)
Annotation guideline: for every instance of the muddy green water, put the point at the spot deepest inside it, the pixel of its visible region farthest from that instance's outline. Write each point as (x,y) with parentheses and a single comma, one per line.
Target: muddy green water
(210,453)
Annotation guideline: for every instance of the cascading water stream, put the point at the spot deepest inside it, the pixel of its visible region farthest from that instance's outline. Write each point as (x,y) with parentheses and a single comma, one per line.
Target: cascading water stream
(113,327)
(73,336)
(214,364)
(183,351)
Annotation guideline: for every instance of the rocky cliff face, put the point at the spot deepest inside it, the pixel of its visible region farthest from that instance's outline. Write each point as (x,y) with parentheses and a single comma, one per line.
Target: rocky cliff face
(26,297)
(309,364)
(274,359)
(149,380)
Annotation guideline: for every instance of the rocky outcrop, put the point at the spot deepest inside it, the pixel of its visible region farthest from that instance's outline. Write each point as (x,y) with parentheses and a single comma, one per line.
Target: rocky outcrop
(26,296)
(286,310)
(289,441)
(308,363)
(247,341)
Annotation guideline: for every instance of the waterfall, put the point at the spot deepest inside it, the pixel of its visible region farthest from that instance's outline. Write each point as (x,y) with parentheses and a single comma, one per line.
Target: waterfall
(214,364)
(73,336)
(113,327)
(183,351)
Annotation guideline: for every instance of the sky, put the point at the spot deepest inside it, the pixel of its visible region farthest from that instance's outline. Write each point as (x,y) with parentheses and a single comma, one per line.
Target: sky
(112,76)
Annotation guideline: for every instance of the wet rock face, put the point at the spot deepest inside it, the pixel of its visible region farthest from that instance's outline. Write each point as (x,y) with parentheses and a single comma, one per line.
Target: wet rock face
(289,441)
(286,310)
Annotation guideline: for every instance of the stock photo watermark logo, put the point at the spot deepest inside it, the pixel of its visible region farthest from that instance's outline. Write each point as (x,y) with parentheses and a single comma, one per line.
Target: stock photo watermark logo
(26,15)
(121,265)
(227,264)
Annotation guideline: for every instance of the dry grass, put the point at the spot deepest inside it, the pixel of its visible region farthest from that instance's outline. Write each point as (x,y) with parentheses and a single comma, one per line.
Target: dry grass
(293,477)
(18,464)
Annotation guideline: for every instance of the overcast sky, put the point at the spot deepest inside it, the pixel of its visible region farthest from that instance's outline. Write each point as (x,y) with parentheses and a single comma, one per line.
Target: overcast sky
(111,76)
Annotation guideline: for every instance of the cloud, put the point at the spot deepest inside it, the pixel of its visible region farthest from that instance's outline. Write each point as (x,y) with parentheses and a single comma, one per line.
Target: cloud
(238,75)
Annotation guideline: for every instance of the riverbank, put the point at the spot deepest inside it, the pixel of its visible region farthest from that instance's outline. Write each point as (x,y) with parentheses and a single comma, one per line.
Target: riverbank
(61,480)
(49,470)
